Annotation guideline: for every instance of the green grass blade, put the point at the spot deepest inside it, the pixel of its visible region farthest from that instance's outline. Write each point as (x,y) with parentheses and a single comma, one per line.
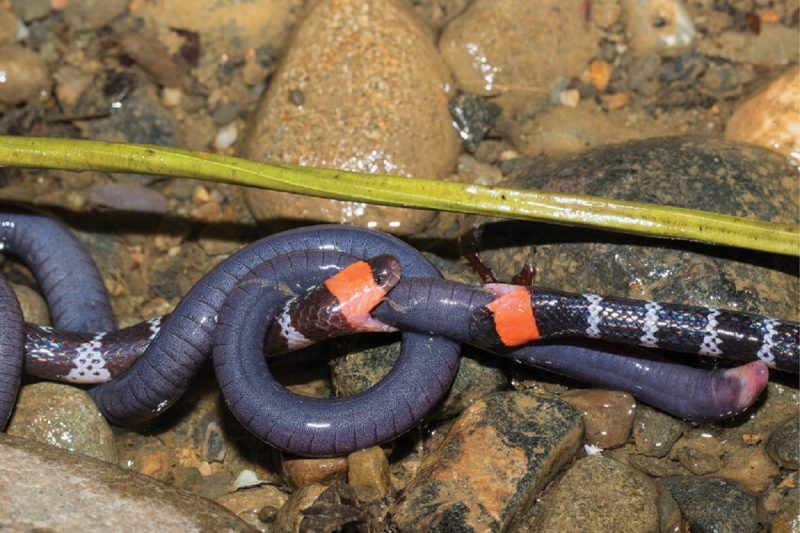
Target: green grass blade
(575,210)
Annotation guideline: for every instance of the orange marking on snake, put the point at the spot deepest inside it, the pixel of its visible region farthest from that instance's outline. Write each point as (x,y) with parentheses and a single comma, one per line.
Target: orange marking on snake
(513,317)
(356,291)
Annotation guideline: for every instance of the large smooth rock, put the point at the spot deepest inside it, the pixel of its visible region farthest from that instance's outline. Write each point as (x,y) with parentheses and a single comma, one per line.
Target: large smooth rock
(45,488)
(361,88)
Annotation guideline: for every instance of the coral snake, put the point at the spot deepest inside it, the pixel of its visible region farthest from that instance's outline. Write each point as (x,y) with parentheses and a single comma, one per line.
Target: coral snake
(301,286)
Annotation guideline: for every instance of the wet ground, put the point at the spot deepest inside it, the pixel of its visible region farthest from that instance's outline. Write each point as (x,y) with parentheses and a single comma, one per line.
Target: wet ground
(577,96)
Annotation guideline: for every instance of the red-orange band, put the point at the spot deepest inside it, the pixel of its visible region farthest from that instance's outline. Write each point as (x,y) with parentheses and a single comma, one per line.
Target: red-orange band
(513,318)
(356,290)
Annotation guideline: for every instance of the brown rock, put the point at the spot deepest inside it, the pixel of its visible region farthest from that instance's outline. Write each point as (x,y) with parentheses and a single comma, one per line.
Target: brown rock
(300,472)
(699,455)
(607,415)
(248,504)
(496,458)
(34,308)
(771,118)
(290,515)
(8,27)
(45,488)
(749,466)
(368,473)
(25,75)
(362,89)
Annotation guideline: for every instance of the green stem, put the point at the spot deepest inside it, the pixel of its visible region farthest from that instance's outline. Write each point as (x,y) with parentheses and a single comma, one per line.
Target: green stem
(576,210)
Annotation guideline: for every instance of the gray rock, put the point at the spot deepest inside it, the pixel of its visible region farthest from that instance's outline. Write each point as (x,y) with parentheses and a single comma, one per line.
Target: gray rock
(782,445)
(497,457)
(63,416)
(598,494)
(45,488)
(711,504)
(654,432)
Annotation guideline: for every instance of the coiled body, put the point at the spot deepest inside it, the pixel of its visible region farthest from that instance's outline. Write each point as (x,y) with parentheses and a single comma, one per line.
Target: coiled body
(230,311)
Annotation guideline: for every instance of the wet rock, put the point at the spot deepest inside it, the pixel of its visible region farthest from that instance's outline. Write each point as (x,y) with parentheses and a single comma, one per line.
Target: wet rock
(248,504)
(749,466)
(320,508)
(775,45)
(100,496)
(368,474)
(777,406)
(657,466)
(473,117)
(684,171)
(437,13)
(598,494)
(654,432)
(34,308)
(713,504)
(516,48)
(227,28)
(25,75)
(140,119)
(700,455)
(607,415)
(782,445)
(65,417)
(300,471)
(659,26)
(379,59)
(771,118)
(84,15)
(786,518)
(498,455)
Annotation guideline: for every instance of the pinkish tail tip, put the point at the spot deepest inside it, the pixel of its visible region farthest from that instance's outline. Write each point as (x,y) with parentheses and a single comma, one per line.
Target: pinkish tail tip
(751,378)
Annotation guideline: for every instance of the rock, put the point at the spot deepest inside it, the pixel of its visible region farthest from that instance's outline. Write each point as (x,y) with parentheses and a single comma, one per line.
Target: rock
(474,117)
(771,118)
(437,13)
(749,466)
(45,488)
(228,28)
(8,27)
(774,45)
(34,308)
(85,15)
(782,445)
(25,75)
(607,415)
(657,466)
(683,171)
(368,474)
(128,197)
(29,10)
(775,408)
(379,59)
(661,26)
(498,456)
(140,119)
(299,471)
(319,508)
(714,504)
(700,455)
(598,494)
(654,432)
(518,49)
(248,504)
(786,518)
(65,417)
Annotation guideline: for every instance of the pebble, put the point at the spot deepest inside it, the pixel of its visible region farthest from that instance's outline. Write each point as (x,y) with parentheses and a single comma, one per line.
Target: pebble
(29,10)
(771,117)
(598,494)
(714,504)
(497,457)
(71,83)
(8,27)
(128,197)
(301,471)
(228,29)
(473,117)
(375,56)
(701,454)
(45,488)
(786,518)
(782,445)
(62,416)
(320,508)
(437,13)
(607,415)
(654,432)
(83,15)
(749,466)
(248,504)
(34,308)
(774,45)
(23,75)
(661,26)
(368,474)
